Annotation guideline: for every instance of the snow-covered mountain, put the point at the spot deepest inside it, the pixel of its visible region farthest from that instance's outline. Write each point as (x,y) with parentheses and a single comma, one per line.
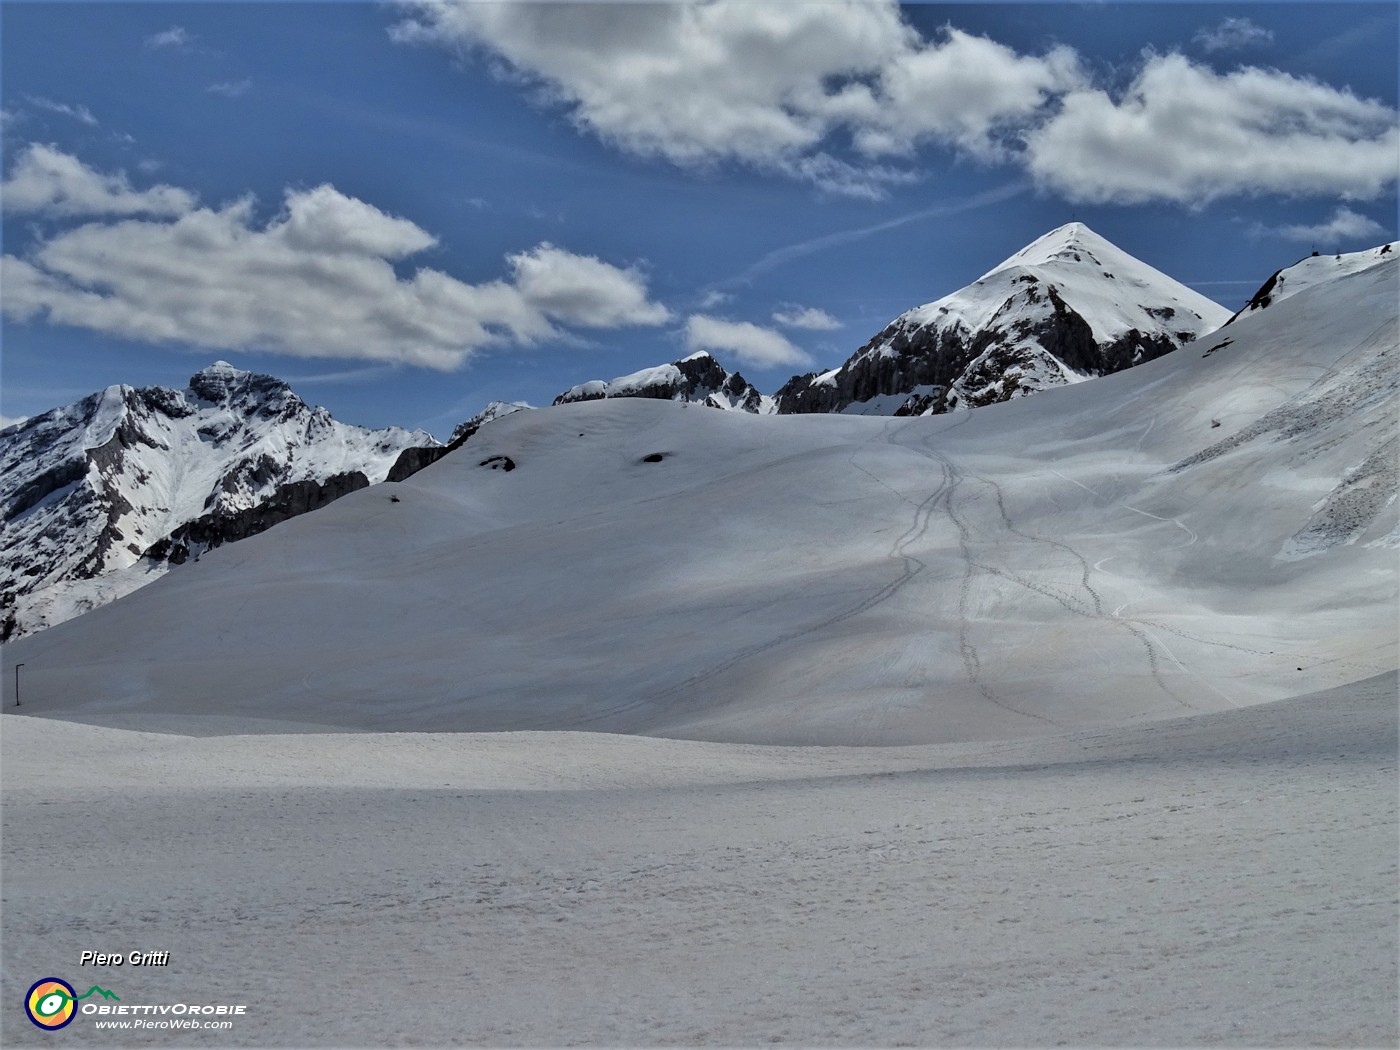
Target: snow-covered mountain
(1069,306)
(100,496)
(1201,532)
(698,378)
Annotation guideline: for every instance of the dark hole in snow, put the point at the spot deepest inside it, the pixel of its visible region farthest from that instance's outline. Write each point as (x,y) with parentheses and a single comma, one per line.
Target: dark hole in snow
(393,499)
(1214,423)
(498,463)
(654,457)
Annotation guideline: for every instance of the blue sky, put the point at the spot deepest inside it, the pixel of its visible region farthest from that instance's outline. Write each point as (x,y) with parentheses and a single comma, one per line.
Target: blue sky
(410,210)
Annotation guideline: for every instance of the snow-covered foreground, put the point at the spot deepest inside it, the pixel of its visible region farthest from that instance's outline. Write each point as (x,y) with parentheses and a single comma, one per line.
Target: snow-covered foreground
(1216,879)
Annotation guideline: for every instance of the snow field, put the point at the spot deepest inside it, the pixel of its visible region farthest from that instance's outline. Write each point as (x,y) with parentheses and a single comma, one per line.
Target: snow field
(1223,879)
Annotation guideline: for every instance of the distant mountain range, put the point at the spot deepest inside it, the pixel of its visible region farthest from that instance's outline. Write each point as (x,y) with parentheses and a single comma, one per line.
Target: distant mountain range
(102,496)
(99,497)
(1211,529)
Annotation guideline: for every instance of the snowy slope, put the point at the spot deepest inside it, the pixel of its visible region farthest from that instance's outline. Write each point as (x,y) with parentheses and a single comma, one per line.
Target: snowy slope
(1316,269)
(1069,306)
(88,488)
(1205,531)
(698,378)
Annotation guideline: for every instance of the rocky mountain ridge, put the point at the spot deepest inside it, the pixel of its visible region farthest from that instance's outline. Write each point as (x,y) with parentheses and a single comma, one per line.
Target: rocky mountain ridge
(698,379)
(99,496)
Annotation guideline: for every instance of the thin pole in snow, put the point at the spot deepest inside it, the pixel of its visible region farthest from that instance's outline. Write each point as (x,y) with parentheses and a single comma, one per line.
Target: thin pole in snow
(17,667)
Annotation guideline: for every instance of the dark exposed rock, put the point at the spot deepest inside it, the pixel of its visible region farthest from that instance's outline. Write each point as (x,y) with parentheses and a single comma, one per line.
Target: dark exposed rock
(412,460)
(288,501)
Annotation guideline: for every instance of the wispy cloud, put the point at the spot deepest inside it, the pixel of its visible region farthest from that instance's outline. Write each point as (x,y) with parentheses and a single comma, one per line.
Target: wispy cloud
(81,114)
(956,206)
(750,343)
(1232,34)
(1344,225)
(231,88)
(353,375)
(176,38)
(791,315)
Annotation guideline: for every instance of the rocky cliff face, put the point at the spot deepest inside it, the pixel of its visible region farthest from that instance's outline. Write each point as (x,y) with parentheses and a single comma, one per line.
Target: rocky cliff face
(99,496)
(698,378)
(1067,307)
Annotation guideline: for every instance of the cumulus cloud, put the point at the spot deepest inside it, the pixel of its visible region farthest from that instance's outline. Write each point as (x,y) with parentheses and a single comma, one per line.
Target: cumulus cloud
(1233,34)
(790,315)
(751,344)
(48,181)
(81,114)
(844,94)
(1184,133)
(231,88)
(10,421)
(583,289)
(176,38)
(317,280)
(761,84)
(1344,225)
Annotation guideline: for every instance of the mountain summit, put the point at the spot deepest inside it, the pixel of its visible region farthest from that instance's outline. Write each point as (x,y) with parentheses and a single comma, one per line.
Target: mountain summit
(1067,307)
(698,378)
(100,494)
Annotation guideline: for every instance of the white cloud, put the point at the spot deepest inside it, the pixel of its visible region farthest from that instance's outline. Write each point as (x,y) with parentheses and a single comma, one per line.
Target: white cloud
(714,297)
(761,347)
(1232,34)
(1183,133)
(844,94)
(81,114)
(1344,225)
(231,88)
(9,421)
(761,84)
(46,180)
(583,290)
(176,37)
(317,280)
(791,315)
(962,91)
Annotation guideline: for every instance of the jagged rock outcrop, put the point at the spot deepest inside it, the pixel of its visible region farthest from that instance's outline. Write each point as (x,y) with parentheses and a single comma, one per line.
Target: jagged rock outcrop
(698,378)
(1069,306)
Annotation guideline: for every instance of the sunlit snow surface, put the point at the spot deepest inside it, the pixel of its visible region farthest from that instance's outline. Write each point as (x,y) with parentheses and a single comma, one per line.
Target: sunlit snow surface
(1102,554)
(1054,606)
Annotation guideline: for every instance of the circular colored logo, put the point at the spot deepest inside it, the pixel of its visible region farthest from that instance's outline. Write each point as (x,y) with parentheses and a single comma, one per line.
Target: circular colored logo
(49,1003)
